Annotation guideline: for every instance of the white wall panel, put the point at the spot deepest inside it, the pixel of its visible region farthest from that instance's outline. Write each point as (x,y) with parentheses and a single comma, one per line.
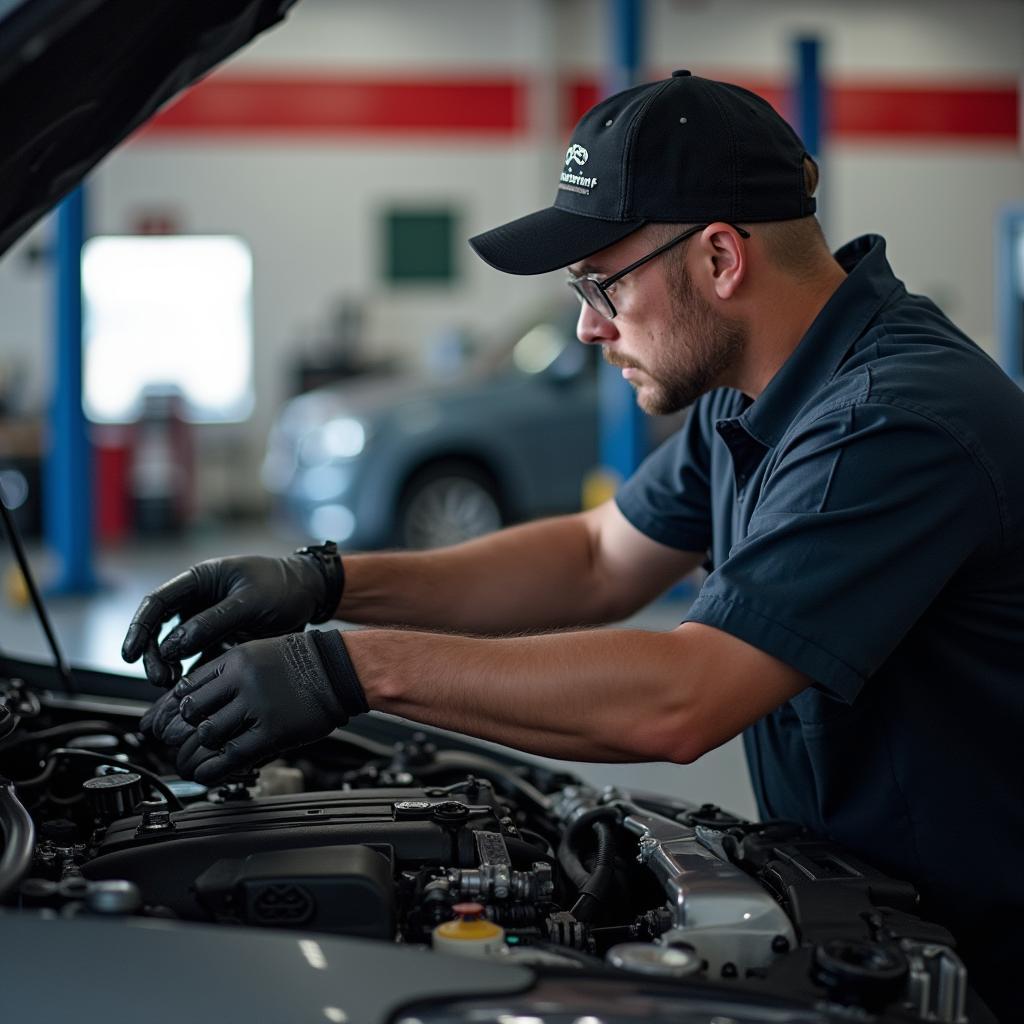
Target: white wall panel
(937,211)
(866,37)
(411,35)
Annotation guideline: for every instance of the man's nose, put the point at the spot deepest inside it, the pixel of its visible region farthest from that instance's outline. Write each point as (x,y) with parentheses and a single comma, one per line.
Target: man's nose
(594,329)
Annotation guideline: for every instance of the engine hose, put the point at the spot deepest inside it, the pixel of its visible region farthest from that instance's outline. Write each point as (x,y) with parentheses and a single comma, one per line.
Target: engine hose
(538,841)
(571,865)
(525,853)
(19,838)
(567,857)
(587,818)
(594,891)
(523,915)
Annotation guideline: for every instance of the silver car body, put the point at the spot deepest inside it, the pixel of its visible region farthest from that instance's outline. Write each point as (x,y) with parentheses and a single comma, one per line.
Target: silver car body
(340,459)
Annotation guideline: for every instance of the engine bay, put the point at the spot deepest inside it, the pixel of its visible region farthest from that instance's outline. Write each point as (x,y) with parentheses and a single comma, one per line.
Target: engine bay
(402,836)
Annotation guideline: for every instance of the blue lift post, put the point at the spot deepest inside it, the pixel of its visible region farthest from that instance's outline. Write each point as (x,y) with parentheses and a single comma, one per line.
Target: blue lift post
(808,106)
(68,497)
(622,432)
(808,100)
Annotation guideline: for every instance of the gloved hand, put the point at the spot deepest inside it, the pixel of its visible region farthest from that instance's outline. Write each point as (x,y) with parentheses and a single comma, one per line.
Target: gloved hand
(230,600)
(163,721)
(257,701)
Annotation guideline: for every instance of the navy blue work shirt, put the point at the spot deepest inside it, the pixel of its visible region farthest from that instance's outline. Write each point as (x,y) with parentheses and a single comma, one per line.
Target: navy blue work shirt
(864,521)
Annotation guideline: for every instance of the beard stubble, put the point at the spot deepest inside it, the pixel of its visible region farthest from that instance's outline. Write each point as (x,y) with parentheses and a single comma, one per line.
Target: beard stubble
(694,353)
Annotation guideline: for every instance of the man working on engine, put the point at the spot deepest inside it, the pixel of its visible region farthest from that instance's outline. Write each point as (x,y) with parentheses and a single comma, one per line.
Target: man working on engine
(848,473)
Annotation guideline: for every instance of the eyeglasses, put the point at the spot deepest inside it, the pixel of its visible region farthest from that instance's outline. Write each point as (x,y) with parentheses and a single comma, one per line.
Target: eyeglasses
(593,289)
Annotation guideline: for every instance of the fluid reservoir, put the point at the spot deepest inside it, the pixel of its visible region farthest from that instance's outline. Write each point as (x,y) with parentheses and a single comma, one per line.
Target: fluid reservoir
(470,933)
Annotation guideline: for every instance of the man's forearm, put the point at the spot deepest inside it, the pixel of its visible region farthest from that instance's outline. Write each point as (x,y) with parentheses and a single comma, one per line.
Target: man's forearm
(537,576)
(596,695)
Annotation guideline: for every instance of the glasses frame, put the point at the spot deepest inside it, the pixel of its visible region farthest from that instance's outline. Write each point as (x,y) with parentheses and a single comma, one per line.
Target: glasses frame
(579,283)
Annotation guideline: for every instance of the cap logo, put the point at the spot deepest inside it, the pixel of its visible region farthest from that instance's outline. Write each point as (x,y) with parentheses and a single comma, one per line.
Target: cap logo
(576,154)
(570,181)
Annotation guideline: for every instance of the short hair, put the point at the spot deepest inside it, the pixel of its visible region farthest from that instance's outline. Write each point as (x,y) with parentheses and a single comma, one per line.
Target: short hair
(797,246)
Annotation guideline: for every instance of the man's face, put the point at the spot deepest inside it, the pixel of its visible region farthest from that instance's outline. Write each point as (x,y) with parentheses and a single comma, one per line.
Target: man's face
(670,342)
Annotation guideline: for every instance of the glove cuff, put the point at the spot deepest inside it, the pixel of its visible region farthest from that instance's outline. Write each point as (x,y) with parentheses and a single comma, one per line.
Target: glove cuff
(340,671)
(329,563)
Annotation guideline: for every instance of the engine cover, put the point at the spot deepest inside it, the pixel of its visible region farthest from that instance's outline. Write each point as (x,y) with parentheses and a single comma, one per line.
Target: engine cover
(408,827)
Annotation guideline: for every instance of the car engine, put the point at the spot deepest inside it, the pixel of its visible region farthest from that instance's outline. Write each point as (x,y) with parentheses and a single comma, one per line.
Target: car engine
(417,838)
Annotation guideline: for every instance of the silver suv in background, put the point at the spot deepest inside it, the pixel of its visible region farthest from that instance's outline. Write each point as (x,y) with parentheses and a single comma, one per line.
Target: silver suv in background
(399,461)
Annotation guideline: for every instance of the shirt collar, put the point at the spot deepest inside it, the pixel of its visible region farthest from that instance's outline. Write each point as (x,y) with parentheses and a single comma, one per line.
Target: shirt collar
(869,284)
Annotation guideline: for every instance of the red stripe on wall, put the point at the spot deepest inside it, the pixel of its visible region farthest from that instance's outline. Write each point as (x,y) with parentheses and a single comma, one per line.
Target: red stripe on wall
(920,112)
(327,106)
(580,94)
(236,104)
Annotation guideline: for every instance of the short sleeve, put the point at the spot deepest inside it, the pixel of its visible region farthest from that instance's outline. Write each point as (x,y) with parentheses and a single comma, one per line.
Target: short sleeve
(668,498)
(865,514)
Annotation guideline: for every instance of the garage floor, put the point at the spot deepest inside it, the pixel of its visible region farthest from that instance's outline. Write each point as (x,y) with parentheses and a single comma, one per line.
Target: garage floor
(91,630)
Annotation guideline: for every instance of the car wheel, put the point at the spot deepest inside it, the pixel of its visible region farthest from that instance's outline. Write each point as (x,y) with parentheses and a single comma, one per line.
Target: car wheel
(447,503)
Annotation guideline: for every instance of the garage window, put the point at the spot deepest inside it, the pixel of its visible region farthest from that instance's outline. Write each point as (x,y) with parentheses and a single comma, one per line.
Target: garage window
(172,314)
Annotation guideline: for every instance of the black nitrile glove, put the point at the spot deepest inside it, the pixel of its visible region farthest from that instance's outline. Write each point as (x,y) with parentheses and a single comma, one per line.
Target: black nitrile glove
(231,600)
(163,722)
(159,714)
(259,700)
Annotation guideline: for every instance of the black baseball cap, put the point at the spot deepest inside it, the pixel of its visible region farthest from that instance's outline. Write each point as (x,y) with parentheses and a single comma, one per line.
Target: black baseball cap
(683,150)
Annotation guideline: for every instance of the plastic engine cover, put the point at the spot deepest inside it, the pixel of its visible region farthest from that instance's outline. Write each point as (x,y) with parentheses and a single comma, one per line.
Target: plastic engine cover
(405,826)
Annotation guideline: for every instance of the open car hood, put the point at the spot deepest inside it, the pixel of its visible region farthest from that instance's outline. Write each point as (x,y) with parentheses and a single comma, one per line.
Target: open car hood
(78,76)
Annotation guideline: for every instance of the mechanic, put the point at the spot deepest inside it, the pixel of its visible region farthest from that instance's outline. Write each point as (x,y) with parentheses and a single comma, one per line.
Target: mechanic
(849,475)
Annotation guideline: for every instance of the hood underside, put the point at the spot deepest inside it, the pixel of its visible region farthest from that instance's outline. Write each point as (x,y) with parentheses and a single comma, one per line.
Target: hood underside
(78,76)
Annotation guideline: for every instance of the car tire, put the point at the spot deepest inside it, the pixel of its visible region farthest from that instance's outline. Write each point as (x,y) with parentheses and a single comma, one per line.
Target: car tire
(446,503)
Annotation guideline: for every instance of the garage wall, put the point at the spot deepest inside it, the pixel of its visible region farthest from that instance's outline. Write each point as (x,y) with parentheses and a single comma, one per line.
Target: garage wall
(308,200)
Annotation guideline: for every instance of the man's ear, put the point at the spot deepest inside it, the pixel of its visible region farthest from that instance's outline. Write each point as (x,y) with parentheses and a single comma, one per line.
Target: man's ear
(726,256)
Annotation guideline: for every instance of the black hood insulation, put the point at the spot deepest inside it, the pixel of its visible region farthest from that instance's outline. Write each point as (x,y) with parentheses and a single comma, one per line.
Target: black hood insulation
(78,76)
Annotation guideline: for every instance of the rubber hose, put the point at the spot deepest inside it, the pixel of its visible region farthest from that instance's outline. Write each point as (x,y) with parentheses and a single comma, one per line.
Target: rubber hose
(571,864)
(19,837)
(595,889)
(525,853)
(535,839)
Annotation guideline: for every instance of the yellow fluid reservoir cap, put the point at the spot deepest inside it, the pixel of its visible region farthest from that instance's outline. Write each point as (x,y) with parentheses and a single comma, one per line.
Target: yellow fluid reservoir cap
(470,933)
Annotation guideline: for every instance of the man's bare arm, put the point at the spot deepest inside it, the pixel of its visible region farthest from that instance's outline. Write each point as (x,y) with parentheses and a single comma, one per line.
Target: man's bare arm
(599,695)
(575,570)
